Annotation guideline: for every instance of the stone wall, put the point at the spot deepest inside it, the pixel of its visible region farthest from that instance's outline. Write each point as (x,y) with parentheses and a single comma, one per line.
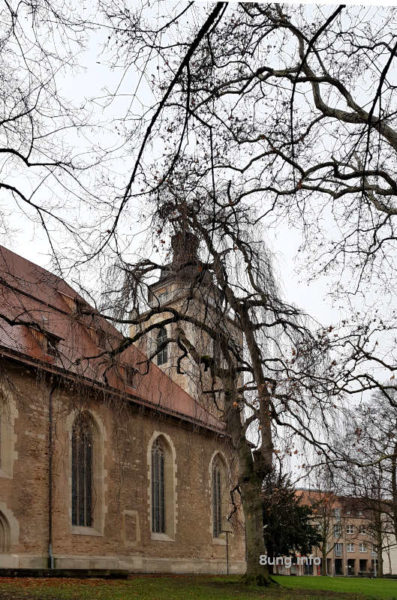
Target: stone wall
(121,534)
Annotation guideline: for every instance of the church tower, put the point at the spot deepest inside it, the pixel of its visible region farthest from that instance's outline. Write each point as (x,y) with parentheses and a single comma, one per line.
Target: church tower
(186,285)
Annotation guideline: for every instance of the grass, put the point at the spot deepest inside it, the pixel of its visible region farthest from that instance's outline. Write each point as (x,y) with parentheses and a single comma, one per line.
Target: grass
(195,588)
(382,589)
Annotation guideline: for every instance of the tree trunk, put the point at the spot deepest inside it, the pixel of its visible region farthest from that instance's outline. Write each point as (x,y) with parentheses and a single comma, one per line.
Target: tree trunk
(253,513)
(324,560)
(394,488)
(380,564)
(379,556)
(379,544)
(250,484)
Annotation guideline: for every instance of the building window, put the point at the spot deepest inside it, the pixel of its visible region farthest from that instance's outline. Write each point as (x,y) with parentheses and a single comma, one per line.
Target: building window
(363,547)
(4,535)
(82,471)
(52,344)
(362,529)
(8,413)
(162,487)
(338,549)
(350,547)
(98,336)
(130,376)
(162,353)
(350,529)
(216,501)
(46,340)
(337,530)
(363,565)
(1,436)
(219,504)
(337,513)
(158,488)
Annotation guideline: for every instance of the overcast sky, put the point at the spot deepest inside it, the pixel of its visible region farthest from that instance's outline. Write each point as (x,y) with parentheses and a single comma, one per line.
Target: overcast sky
(94,80)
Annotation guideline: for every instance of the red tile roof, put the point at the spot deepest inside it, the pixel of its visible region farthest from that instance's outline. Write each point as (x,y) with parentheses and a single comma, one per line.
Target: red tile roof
(44,322)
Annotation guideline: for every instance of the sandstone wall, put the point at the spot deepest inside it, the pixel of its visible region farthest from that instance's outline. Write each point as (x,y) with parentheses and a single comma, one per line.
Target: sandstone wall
(121,535)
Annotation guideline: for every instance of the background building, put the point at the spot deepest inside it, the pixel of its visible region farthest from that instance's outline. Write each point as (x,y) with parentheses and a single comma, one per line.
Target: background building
(350,540)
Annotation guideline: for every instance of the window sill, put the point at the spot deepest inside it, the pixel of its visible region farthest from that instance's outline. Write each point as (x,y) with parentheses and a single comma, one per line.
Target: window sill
(79,530)
(161,537)
(220,541)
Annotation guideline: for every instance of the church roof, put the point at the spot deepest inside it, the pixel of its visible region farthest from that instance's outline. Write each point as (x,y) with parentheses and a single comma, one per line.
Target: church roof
(45,323)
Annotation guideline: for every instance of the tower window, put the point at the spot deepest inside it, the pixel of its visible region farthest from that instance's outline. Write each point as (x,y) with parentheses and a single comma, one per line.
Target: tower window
(52,344)
(130,376)
(162,351)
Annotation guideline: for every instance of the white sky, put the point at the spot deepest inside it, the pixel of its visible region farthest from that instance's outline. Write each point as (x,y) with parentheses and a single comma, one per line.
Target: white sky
(90,82)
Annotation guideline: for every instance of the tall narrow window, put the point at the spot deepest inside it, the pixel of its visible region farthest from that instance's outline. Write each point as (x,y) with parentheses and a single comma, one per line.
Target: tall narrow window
(82,471)
(162,354)
(158,496)
(216,501)
(4,534)
(8,413)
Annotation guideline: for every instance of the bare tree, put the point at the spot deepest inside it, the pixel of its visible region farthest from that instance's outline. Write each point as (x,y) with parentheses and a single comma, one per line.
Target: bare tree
(260,117)
(44,157)
(258,113)
(267,103)
(369,469)
(265,364)
(262,121)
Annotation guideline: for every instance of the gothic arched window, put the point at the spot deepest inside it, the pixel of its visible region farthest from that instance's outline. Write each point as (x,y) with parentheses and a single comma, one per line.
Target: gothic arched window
(4,535)
(82,471)
(8,413)
(162,355)
(158,488)
(1,437)
(217,499)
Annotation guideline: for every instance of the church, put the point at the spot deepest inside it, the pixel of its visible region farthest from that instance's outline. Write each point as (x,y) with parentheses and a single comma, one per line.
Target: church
(107,460)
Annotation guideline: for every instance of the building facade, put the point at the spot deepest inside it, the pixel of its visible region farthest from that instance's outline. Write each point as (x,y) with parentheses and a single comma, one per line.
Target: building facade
(105,462)
(351,541)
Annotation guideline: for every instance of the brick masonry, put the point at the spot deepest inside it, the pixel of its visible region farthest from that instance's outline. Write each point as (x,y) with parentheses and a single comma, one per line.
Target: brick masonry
(121,536)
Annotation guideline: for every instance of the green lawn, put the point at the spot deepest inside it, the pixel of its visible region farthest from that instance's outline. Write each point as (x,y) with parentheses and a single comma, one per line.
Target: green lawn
(385,589)
(195,588)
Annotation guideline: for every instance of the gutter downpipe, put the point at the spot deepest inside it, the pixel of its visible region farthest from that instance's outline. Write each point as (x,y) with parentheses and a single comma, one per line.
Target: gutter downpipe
(50,558)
